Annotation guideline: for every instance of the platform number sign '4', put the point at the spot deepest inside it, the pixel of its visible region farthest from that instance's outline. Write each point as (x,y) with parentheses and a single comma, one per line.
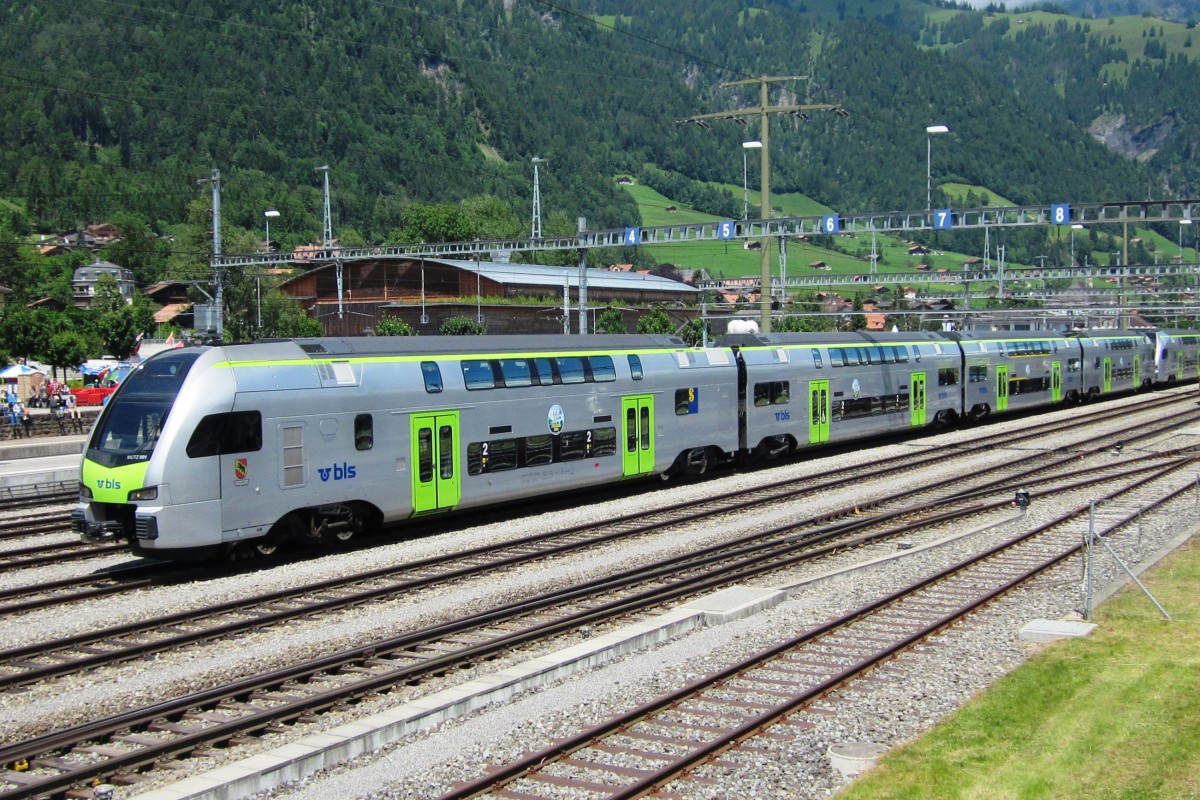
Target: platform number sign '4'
(633,236)
(943,219)
(1060,214)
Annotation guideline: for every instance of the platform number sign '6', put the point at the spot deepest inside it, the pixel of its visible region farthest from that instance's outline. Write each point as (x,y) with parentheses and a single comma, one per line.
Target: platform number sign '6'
(1060,214)
(830,225)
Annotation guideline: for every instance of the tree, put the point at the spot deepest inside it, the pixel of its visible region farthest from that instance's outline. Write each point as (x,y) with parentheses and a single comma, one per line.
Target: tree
(656,321)
(284,318)
(394,326)
(66,349)
(24,331)
(694,332)
(611,322)
(119,331)
(461,326)
(107,297)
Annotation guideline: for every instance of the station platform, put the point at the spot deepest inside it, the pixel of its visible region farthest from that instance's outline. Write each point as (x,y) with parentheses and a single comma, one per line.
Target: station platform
(42,460)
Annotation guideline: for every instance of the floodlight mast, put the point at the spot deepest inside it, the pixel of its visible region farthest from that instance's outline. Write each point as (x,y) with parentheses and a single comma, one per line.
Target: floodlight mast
(763,111)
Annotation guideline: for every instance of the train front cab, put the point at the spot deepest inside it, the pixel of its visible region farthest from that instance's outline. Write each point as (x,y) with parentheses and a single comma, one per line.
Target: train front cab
(1176,356)
(130,489)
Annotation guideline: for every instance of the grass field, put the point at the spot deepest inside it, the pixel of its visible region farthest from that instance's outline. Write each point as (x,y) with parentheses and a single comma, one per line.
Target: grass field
(1115,716)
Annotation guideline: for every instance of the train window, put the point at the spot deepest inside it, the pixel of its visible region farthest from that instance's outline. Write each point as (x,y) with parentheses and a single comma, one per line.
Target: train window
(631,430)
(223,434)
(635,367)
(544,371)
(425,455)
(503,454)
(432,375)
(1073,364)
(850,354)
(686,402)
(570,369)
(978,373)
(478,374)
(364,432)
(948,376)
(867,355)
(476,457)
(837,358)
(645,427)
(516,372)
(539,450)
(574,446)
(446,451)
(816,357)
(603,370)
(773,393)
(916,352)
(604,442)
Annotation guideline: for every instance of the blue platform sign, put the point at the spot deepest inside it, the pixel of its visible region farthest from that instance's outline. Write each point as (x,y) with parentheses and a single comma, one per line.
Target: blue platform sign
(943,219)
(831,224)
(1060,214)
(633,236)
(726,229)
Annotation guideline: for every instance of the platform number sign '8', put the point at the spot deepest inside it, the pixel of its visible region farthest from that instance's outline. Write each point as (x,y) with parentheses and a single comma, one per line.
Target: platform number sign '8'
(1060,214)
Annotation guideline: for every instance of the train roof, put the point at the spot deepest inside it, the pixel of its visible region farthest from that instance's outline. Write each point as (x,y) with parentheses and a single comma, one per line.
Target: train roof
(366,346)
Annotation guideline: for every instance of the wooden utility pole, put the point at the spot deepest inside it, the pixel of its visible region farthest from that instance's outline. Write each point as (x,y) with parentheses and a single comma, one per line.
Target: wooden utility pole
(763,111)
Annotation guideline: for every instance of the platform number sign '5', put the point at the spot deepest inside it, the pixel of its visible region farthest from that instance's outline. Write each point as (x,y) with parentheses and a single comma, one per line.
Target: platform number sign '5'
(726,230)
(943,219)
(1060,214)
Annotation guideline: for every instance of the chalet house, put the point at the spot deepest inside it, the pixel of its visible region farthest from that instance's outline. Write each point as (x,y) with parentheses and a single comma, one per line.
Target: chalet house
(923,267)
(83,284)
(918,250)
(973,261)
(819,265)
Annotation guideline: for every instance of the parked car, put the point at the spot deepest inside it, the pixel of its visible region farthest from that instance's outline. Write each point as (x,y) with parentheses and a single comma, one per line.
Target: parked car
(94,394)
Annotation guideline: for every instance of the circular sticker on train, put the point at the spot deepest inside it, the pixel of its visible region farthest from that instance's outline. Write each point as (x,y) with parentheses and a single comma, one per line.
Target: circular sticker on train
(556,419)
(856,387)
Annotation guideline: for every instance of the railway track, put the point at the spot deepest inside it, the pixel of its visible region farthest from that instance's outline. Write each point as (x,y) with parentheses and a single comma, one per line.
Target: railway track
(653,747)
(40,661)
(120,745)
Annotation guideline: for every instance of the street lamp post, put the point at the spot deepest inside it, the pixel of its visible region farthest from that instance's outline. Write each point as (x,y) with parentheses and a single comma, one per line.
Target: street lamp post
(930,131)
(1075,227)
(746,147)
(269,214)
(1182,222)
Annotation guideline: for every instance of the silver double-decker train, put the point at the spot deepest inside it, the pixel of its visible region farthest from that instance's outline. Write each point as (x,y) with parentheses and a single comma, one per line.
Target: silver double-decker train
(238,450)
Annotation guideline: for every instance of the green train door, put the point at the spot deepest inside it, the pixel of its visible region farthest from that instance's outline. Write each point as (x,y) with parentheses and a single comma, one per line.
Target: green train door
(637,427)
(1056,381)
(818,413)
(1107,374)
(1137,372)
(1179,370)
(1002,387)
(435,461)
(918,399)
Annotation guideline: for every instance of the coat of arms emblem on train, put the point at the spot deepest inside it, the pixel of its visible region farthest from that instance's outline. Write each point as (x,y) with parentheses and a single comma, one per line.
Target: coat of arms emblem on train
(556,418)
(239,469)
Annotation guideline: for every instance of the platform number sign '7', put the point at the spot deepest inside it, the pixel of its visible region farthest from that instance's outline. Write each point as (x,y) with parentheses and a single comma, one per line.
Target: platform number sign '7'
(943,219)
(1060,214)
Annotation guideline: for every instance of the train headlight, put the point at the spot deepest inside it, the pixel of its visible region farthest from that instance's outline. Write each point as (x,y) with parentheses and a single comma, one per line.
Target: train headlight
(149,493)
(85,492)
